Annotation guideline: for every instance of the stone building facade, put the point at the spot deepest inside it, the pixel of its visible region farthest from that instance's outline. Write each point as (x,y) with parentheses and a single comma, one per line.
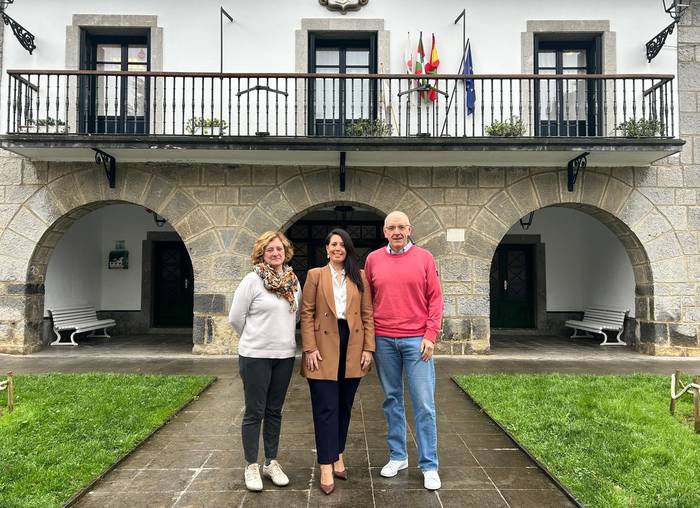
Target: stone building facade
(460,213)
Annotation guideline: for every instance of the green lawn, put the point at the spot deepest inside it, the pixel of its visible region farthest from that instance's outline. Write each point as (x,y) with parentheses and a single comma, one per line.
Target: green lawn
(609,439)
(68,428)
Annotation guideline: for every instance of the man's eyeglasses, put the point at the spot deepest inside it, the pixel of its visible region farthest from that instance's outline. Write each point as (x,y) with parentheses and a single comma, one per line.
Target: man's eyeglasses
(401,227)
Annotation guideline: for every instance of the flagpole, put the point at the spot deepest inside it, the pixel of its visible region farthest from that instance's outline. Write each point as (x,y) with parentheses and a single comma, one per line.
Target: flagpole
(454,89)
(222,13)
(463,17)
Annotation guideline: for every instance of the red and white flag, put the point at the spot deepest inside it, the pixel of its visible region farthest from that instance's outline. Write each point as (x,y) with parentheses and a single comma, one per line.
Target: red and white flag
(408,55)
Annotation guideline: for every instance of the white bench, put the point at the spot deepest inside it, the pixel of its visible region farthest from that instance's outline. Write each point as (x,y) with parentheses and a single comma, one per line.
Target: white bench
(79,319)
(596,319)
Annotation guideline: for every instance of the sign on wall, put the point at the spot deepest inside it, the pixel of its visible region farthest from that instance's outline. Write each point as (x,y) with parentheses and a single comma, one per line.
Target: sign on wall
(119,257)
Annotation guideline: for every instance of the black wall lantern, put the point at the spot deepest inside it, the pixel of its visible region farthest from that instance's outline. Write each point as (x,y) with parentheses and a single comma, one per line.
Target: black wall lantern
(675,9)
(25,38)
(526,223)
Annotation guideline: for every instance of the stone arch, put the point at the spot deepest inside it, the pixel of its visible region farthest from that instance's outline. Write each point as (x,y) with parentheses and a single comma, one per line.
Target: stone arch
(376,188)
(76,190)
(645,232)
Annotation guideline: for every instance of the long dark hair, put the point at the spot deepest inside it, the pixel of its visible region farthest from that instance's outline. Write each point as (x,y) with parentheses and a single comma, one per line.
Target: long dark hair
(352,263)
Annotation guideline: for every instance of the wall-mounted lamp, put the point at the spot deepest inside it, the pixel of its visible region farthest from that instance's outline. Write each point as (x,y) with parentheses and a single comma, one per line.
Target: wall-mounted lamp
(675,9)
(526,223)
(343,212)
(157,218)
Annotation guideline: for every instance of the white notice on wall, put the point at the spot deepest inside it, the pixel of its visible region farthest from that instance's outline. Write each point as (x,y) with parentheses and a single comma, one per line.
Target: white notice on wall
(455,235)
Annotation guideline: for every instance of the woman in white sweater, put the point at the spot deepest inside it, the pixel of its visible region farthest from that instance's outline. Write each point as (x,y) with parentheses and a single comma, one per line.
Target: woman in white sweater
(264,313)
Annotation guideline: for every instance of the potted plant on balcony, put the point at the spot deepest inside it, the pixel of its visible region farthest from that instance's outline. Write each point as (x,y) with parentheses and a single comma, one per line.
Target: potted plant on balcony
(48,125)
(513,127)
(640,128)
(368,127)
(206,126)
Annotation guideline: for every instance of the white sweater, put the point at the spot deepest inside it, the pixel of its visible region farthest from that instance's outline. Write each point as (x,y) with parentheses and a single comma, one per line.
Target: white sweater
(262,320)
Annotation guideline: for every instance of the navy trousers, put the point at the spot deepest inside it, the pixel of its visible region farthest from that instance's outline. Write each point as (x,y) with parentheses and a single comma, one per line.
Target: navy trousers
(331,402)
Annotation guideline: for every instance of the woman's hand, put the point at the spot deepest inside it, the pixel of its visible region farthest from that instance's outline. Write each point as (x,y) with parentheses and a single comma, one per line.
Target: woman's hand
(313,360)
(366,360)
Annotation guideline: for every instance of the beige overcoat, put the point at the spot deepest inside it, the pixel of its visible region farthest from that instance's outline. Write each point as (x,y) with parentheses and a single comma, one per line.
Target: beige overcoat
(319,325)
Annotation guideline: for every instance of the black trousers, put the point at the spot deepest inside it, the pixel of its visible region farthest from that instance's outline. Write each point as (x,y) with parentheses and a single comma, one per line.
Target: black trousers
(331,402)
(265,383)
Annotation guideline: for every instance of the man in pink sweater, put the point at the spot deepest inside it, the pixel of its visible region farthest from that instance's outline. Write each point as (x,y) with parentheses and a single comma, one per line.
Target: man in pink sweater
(408,307)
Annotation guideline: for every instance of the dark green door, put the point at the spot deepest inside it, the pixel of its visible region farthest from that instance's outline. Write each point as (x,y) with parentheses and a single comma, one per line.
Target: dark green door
(172,285)
(512,288)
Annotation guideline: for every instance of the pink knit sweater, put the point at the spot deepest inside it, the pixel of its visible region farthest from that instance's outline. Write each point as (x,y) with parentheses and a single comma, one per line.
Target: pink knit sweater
(406,293)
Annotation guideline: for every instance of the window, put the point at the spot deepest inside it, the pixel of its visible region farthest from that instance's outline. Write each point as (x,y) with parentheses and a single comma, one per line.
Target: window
(335,103)
(568,107)
(114,104)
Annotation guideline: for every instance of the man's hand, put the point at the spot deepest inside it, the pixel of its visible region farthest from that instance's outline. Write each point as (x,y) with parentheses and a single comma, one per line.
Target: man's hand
(366,360)
(426,350)
(313,360)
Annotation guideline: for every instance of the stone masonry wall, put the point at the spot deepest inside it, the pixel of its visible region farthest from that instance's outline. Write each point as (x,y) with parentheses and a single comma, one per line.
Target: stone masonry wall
(218,210)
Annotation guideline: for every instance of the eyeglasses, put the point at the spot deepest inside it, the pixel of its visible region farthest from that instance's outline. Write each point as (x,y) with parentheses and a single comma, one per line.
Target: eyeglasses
(400,227)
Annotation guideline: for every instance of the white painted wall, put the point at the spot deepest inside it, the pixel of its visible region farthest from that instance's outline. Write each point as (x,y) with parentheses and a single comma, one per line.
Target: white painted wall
(261,39)
(585,262)
(73,274)
(77,270)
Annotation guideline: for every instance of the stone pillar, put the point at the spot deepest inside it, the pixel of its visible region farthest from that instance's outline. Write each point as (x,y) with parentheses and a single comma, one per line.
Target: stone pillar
(682,334)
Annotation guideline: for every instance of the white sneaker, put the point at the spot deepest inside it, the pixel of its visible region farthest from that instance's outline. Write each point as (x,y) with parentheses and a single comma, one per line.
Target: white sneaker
(431,480)
(274,472)
(393,467)
(253,482)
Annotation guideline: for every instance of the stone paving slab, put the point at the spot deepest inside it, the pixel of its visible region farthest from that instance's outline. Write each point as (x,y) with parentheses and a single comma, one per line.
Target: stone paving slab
(196,460)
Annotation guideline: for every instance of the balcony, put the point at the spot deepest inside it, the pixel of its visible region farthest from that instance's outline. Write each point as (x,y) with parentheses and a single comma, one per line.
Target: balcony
(500,120)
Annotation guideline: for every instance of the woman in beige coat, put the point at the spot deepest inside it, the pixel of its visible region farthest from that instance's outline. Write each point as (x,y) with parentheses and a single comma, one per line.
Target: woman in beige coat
(337,331)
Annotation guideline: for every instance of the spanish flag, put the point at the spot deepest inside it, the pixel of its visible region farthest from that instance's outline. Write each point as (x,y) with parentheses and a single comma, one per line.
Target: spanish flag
(431,68)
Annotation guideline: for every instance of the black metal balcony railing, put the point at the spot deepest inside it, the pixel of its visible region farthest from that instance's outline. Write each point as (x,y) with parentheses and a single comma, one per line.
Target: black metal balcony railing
(294,105)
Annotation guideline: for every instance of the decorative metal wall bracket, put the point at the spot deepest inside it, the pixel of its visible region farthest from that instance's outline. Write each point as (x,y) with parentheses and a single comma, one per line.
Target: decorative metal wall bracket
(573,167)
(341,173)
(675,9)
(343,5)
(655,45)
(25,38)
(110,165)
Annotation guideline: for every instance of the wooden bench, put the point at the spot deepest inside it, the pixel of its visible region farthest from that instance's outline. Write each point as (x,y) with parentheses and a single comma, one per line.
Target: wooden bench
(597,319)
(79,319)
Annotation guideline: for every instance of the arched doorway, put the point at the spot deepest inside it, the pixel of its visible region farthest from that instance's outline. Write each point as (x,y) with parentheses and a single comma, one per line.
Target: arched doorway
(557,261)
(308,233)
(130,265)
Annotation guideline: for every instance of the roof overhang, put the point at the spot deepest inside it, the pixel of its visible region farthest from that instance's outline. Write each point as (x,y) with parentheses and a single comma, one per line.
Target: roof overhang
(419,151)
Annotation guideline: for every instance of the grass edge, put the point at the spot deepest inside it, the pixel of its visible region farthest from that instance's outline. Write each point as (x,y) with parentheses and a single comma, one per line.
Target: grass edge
(522,448)
(78,495)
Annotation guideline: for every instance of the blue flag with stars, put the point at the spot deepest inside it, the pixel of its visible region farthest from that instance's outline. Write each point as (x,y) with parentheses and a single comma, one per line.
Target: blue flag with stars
(467,69)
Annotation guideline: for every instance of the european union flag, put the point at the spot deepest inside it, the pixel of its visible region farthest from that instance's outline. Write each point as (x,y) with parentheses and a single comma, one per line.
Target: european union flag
(469,92)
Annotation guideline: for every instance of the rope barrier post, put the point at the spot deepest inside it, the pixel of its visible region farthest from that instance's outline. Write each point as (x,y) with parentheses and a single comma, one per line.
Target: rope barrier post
(696,404)
(674,389)
(10,393)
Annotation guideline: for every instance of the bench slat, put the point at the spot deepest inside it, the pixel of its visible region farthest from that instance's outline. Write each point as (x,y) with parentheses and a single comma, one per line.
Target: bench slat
(82,318)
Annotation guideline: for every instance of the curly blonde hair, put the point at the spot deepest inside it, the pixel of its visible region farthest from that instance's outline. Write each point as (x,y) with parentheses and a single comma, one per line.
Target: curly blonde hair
(263,240)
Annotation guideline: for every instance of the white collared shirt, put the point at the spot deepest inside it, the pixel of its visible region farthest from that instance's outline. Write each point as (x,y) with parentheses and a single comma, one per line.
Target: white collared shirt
(403,249)
(339,292)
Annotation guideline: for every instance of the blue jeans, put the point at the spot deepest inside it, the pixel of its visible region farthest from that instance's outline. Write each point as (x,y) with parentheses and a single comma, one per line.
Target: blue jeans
(391,357)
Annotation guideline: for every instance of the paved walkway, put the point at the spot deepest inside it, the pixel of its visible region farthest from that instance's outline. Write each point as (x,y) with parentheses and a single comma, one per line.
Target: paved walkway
(196,460)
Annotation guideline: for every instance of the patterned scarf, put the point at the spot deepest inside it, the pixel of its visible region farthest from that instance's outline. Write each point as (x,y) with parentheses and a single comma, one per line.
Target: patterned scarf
(284,285)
